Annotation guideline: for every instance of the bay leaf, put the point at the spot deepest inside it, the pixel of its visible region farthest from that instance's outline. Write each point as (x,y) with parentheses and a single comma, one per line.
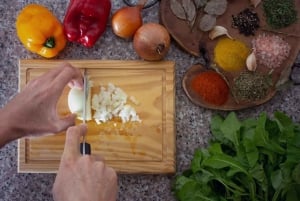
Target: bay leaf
(190,10)
(177,9)
(216,7)
(207,22)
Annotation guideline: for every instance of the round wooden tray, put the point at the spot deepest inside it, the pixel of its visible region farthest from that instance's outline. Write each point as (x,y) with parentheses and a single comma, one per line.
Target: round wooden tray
(191,40)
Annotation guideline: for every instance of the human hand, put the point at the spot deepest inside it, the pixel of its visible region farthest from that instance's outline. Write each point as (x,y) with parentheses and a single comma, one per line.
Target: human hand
(82,177)
(33,110)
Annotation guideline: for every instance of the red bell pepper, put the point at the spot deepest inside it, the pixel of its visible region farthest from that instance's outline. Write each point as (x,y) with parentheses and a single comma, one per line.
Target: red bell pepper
(85,20)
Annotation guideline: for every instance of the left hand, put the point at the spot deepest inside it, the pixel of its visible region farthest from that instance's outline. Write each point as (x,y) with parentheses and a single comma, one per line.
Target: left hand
(33,110)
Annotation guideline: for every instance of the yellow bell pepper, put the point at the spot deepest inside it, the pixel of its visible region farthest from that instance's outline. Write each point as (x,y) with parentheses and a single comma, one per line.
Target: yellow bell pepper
(40,31)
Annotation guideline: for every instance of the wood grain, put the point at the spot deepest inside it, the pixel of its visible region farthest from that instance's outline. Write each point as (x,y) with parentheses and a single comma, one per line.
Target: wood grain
(146,147)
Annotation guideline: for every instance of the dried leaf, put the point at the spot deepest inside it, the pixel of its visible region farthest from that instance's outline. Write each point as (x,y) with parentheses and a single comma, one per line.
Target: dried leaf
(218,31)
(255,2)
(177,9)
(207,22)
(190,9)
(216,7)
(200,3)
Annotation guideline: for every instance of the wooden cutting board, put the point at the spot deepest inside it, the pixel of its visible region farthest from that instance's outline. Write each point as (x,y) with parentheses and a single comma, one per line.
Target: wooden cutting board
(146,147)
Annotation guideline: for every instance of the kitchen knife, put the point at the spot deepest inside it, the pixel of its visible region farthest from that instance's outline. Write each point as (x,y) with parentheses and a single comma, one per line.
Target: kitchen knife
(85,148)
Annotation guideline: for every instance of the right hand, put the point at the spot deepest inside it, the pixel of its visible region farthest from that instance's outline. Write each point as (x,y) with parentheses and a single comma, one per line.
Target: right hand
(82,177)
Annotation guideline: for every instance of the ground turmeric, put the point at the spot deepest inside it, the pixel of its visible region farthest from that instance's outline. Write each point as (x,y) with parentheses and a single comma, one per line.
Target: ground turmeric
(231,55)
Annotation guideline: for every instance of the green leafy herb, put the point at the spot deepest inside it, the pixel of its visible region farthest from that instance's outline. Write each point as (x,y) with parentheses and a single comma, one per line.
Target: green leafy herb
(249,160)
(280,13)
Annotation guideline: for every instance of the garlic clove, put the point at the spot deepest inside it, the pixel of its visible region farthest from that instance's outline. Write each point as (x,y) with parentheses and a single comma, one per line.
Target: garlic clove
(255,2)
(218,31)
(251,62)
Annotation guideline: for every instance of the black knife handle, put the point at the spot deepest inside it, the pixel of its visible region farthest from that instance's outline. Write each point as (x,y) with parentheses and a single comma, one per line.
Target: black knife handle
(85,148)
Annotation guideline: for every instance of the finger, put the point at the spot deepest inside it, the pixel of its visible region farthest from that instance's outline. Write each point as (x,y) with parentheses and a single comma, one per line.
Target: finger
(99,158)
(53,73)
(73,140)
(47,77)
(69,74)
(65,122)
(75,83)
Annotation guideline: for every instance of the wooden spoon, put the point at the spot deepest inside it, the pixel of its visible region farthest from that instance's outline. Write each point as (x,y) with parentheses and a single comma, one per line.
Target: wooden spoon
(230,104)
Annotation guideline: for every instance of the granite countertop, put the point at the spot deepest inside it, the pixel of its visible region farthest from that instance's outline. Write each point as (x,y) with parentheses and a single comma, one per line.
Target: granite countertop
(192,122)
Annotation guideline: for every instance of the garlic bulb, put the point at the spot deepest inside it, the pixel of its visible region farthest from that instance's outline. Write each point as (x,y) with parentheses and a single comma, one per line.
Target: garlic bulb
(218,31)
(251,62)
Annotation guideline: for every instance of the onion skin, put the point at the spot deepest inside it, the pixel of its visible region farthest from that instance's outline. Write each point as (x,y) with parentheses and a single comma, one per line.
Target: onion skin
(152,42)
(126,21)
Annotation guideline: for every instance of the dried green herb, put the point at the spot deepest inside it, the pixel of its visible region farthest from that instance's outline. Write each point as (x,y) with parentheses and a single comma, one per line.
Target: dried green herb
(251,86)
(280,13)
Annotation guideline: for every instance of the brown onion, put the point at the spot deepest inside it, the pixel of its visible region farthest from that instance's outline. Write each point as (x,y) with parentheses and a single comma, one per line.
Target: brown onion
(151,41)
(126,21)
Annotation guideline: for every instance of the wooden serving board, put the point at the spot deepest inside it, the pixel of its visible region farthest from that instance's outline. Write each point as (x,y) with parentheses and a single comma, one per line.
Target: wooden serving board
(146,147)
(190,39)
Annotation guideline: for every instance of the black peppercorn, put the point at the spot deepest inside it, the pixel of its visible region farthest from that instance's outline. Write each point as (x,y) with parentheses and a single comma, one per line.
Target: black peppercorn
(246,21)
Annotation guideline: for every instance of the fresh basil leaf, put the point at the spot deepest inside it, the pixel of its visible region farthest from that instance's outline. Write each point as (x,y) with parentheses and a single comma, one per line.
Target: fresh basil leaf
(215,124)
(215,148)
(230,128)
(261,136)
(251,152)
(196,161)
(276,179)
(296,174)
(193,191)
(259,175)
(293,148)
(293,193)
(222,161)
(253,160)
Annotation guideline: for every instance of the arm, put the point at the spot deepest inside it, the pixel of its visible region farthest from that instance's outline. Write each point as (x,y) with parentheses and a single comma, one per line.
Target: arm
(32,112)
(83,177)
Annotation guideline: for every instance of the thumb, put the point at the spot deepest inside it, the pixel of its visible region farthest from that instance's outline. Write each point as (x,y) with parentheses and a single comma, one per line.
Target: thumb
(73,140)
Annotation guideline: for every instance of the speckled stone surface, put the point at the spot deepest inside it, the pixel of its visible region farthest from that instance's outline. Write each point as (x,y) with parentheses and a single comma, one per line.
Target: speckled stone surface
(192,122)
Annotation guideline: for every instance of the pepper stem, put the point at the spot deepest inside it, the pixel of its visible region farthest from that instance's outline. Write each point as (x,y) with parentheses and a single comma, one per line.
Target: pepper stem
(50,42)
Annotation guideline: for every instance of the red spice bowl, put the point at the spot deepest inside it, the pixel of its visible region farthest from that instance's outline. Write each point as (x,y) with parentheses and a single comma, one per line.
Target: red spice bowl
(198,94)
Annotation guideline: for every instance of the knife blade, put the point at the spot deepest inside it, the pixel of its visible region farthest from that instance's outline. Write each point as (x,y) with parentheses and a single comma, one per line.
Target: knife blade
(85,148)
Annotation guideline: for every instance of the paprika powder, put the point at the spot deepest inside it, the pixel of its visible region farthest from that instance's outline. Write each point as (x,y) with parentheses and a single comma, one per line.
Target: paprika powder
(40,31)
(85,20)
(211,87)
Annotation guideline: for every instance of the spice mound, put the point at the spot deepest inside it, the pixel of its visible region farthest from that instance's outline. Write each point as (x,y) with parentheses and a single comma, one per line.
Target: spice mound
(251,86)
(280,13)
(247,22)
(211,87)
(270,50)
(230,54)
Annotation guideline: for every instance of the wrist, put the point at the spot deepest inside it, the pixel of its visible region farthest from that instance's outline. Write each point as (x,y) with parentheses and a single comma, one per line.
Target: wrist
(8,130)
